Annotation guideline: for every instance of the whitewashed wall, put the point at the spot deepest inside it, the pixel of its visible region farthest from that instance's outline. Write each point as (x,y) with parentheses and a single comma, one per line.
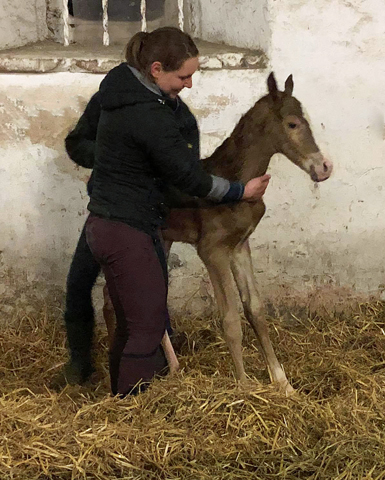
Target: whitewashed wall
(22,22)
(43,196)
(336,52)
(240,23)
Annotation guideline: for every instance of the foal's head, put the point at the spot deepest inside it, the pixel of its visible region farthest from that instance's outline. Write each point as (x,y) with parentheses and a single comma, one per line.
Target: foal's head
(290,132)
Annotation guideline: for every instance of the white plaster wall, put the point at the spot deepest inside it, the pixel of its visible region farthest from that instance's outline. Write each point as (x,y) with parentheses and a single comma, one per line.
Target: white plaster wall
(233,22)
(43,194)
(336,52)
(22,22)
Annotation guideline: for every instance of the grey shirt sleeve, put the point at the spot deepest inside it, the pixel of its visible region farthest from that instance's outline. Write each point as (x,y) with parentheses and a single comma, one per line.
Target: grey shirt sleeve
(224,191)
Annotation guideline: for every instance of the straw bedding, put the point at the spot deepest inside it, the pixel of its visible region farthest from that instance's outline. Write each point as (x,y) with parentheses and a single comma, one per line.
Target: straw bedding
(201,424)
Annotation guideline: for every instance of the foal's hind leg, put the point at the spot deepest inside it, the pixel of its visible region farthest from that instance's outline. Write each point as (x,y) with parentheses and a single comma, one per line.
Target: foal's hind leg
(243,273)
(217,262)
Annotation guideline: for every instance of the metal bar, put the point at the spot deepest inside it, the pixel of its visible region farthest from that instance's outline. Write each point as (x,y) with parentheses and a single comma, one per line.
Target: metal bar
(66,27)
(106,35)
(143,14)
(180,15)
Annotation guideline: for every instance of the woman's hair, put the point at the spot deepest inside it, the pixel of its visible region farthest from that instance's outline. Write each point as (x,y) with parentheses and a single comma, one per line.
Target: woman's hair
(167,45)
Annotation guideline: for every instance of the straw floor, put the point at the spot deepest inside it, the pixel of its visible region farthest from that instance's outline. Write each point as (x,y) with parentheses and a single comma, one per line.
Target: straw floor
(201,424)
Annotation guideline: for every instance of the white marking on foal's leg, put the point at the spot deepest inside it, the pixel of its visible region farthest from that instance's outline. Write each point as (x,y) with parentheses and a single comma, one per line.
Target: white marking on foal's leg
(169,352)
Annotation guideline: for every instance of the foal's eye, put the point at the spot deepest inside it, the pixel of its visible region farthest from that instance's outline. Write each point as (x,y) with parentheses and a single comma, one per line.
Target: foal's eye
(292,125)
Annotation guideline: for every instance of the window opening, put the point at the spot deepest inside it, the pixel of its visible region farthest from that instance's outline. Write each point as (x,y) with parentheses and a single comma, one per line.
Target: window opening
(113,21)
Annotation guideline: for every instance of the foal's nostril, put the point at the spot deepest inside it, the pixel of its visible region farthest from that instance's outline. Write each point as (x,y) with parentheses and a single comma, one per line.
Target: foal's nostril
(326,167)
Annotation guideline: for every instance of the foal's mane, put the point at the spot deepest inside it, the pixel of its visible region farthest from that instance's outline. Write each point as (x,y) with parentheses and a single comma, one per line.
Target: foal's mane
(227,159)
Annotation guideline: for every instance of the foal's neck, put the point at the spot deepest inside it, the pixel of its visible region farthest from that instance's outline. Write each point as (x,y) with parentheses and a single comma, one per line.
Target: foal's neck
(246,153)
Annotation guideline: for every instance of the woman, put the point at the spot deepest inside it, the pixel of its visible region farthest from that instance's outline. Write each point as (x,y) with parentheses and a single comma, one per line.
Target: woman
(140,147)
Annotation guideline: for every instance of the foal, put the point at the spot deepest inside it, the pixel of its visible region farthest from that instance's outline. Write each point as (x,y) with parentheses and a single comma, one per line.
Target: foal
(275,124)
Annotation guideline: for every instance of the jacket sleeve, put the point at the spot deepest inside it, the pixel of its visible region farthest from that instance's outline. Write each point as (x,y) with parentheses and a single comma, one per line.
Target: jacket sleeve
(168,152)
(80,142)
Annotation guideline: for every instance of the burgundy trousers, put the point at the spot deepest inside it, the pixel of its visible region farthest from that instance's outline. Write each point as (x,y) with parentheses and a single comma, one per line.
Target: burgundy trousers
(132,264)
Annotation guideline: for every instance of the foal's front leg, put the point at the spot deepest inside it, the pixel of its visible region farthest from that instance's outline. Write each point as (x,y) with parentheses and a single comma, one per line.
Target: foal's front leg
(242,269)
(217,262)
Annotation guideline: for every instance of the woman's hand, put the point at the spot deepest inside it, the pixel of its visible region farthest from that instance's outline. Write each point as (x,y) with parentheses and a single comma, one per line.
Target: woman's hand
(255,188)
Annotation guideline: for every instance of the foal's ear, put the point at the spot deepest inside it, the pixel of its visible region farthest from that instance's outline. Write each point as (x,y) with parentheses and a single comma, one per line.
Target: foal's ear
(289,85)
(272,86)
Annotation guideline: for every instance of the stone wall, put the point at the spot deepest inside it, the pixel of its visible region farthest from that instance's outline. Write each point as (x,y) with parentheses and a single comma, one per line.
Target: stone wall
(22,22)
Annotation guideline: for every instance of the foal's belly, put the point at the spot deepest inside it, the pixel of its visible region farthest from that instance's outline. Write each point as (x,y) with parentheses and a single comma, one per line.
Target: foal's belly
(182,226)
(228,223)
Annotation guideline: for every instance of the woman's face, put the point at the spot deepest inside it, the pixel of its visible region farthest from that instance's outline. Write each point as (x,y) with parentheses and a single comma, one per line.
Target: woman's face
(173,82)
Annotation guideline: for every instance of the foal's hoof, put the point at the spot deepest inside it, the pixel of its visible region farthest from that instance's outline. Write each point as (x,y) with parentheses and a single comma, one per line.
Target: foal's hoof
(174,368)
(285,388)
(247,384)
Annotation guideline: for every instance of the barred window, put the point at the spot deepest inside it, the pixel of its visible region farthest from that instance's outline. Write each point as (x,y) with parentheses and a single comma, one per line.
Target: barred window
(89,35)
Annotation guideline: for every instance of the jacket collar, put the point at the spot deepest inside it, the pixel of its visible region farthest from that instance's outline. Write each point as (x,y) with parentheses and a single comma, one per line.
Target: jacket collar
(153,87)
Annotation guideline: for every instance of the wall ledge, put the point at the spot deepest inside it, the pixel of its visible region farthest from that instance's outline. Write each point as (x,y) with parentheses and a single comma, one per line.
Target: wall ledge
(49,57)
